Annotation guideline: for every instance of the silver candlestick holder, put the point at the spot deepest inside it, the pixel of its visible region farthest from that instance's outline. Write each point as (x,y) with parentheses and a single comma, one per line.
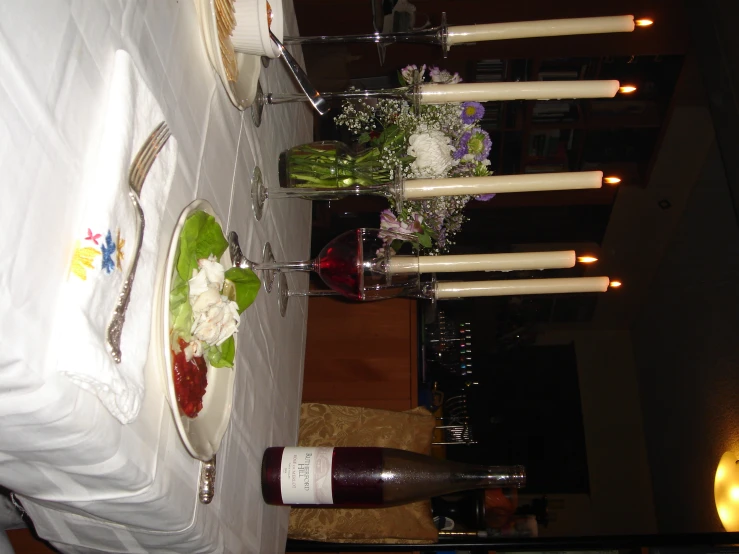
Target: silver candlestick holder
(432,35)
(411,94)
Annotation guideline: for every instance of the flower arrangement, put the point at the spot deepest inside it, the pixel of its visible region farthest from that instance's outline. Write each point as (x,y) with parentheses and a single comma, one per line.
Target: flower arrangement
(441,141)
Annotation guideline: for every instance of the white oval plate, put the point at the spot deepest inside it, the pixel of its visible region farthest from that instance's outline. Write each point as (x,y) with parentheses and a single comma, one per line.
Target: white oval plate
(242,92)
(202,435)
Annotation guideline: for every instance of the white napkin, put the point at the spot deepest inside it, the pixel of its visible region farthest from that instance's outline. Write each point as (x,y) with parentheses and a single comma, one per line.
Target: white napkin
(102,250)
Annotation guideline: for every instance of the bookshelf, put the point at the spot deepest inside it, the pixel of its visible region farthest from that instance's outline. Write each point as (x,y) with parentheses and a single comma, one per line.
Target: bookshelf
(616,134)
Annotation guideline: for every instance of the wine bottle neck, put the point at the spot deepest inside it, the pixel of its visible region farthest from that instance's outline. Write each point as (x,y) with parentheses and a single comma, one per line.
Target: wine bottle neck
(492,477)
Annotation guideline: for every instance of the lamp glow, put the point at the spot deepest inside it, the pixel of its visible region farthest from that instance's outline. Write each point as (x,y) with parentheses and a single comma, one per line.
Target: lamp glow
(725,514)
(612,180)
(615,284)
(627,89)
(726,491)
(644,22)
(587,259)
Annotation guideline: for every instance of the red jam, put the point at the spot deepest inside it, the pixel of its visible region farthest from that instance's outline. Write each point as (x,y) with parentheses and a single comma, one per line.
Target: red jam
(190,381)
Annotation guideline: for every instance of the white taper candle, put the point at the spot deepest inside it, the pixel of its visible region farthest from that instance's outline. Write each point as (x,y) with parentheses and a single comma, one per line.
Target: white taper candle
(521,90)
(544,28)
(482,262)
(458,186)
(514,287)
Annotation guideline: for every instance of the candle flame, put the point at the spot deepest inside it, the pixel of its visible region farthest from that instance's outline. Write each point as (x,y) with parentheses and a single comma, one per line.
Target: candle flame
(587,259)
(627,89)
(644,22)
(616,284)
(612,180)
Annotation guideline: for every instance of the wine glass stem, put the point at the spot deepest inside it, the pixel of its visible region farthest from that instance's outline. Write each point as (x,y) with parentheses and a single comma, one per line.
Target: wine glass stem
(432,35)
(281,98)
(313,293)
(306,265)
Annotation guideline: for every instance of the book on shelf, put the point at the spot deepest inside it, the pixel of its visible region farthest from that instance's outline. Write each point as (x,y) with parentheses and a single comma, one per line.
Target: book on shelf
(491,116)
(489,78)
(620,107)
(553,112)
(490,71)
(559,75)
(545,168)
(545,144)
(552,106)
(547,152)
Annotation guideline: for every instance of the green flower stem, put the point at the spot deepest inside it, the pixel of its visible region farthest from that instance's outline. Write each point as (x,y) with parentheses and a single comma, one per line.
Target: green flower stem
(324,168)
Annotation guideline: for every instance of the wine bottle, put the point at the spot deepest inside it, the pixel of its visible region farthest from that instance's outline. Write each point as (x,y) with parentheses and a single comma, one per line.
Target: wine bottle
(364,477)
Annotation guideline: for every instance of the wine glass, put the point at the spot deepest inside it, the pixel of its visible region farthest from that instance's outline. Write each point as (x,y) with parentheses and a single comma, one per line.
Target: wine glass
(361,264)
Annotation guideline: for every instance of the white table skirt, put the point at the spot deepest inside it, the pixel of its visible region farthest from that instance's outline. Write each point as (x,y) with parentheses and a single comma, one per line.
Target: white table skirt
(89,483)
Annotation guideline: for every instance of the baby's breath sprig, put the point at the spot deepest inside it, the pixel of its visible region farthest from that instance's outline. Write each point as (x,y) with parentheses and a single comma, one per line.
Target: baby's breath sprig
(439,141)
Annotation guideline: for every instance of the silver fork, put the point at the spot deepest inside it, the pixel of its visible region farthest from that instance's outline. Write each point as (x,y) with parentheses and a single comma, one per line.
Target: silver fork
(136,176)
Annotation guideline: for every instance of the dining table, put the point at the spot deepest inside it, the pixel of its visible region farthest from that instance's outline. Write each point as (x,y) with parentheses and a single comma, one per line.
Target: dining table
(90,479)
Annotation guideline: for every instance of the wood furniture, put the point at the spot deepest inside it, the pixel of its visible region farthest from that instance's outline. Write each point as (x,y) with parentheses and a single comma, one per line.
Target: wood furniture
(361,354)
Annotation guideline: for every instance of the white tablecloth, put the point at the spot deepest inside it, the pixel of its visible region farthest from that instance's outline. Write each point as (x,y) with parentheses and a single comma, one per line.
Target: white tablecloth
(88,482)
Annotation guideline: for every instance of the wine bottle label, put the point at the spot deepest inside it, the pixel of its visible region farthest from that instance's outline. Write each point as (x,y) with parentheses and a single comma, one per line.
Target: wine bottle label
(305,475)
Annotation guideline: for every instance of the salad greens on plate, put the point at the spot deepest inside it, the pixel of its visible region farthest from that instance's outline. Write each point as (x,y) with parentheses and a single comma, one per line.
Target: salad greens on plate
(205,299)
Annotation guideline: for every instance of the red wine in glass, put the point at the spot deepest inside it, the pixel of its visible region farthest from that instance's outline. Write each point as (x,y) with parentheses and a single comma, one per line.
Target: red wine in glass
(339,264)
(353,264)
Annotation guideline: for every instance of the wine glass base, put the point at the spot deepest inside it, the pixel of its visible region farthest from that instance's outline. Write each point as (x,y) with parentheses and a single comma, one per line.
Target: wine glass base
(257,107)
(283,293)
(268,275)
(258,193)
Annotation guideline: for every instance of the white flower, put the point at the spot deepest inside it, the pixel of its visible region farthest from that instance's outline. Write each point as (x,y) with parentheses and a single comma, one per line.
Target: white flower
(433,153)
(214,322)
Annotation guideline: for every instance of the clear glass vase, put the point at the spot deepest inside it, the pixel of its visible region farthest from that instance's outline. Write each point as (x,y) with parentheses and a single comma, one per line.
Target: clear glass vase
(330,165)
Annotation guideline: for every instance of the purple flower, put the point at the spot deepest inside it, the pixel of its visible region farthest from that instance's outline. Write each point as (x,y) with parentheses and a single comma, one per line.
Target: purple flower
(461,151)
(471,112)
(474,145)
(411,73)
(485,197)
(443,76)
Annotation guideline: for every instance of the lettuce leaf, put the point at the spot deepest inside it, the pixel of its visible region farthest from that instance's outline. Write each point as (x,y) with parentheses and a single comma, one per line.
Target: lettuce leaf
(200,237)
(180,311)
(246,285)
(223,355)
